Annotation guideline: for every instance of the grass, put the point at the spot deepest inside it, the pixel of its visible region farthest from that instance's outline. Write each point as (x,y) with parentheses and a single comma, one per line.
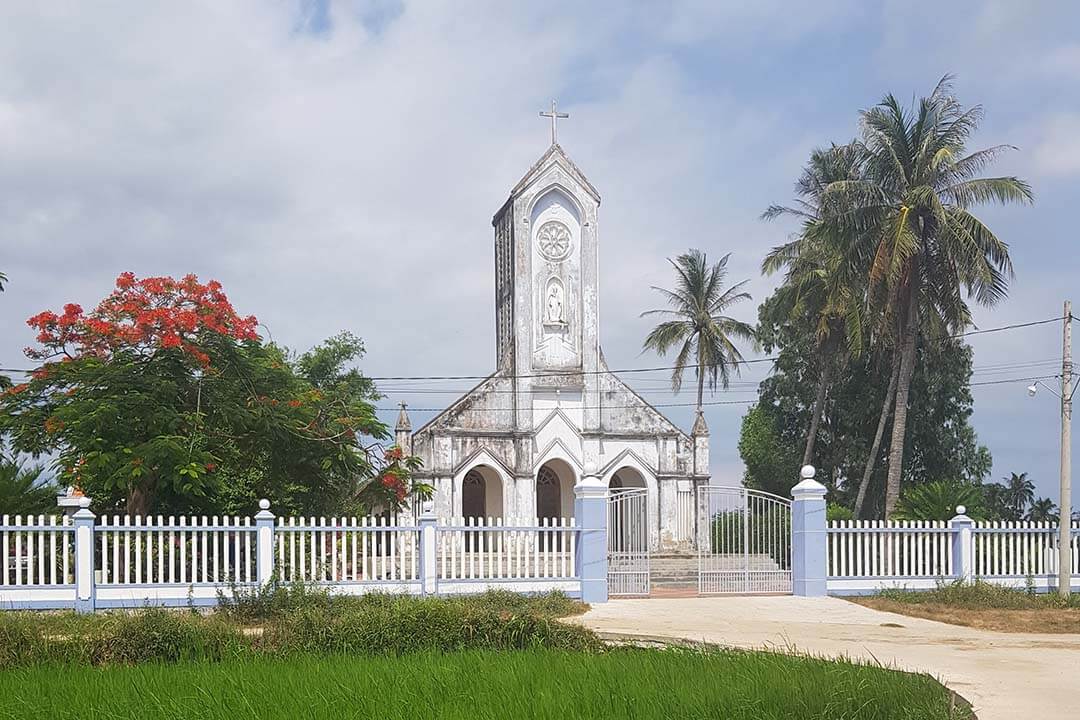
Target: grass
(313,623)
(478,684)
(985,606)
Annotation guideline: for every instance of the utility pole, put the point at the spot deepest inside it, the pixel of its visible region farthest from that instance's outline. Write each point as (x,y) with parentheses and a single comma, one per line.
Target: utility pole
(1065,521)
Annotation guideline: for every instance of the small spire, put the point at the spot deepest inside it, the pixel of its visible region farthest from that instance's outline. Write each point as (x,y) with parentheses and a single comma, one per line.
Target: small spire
(403,424)
(700,428)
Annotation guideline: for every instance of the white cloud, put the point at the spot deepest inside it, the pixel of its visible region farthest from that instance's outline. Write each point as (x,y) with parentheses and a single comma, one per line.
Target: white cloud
(1057,148)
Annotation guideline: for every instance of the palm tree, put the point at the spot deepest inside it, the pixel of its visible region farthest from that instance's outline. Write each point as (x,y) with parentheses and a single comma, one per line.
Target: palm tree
(3,279)
(938,500)
(819,286)
(22,493)
(1020,492)
(910,214)
(1043,510)
(698,324)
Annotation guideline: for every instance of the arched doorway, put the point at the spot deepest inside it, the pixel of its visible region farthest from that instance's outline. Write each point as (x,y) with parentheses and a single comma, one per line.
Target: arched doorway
(555,490)
(481,493)
(628,533)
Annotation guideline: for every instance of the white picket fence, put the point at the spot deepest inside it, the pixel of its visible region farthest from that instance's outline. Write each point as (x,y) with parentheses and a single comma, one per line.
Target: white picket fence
(340,550)
(489,549)
(869,555)
(874,548)
(1020,549)
(132,561)
(37,551)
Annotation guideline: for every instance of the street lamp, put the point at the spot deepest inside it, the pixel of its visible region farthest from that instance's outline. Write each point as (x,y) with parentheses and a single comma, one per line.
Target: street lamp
(1065,501)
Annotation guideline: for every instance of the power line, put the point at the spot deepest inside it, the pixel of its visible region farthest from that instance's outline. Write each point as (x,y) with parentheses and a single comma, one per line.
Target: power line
(752,361)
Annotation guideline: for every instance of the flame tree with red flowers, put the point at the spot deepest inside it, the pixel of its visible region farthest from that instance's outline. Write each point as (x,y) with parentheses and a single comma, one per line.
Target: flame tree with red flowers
(164,399)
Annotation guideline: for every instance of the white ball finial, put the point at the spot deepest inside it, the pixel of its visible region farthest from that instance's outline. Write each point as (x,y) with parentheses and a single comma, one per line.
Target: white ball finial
(84,502)
(264,504)
(807,472)
(961,510)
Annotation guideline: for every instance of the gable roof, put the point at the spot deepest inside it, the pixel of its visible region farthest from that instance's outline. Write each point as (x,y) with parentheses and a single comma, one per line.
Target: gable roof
(558,155)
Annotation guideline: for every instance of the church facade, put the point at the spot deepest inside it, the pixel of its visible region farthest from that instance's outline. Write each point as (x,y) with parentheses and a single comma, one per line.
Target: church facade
(552,413)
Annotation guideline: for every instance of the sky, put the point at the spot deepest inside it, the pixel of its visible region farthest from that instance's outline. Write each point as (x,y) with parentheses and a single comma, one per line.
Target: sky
(336,164)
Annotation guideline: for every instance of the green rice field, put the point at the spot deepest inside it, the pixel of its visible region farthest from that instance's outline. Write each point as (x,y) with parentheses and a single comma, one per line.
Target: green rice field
(477,684)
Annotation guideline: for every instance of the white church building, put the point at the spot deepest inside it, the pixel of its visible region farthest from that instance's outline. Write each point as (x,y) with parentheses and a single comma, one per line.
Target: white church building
(552,413)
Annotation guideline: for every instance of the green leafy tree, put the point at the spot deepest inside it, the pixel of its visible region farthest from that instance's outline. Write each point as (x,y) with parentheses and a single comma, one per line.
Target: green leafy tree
(942,443)
(1019,493)
(698,324)
(938,500)
(164,399)
(910,213)
(996,502)
(1043,510)
(820,287)
(22,491)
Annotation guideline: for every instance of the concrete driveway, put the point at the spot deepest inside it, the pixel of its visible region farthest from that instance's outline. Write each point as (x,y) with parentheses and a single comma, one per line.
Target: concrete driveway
(1004,675)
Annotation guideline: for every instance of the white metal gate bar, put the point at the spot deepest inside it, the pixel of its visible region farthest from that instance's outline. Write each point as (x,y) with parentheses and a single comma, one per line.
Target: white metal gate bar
(744,541)
(628,542)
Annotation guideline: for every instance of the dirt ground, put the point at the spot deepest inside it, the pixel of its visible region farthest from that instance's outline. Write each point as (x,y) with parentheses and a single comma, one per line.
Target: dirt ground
(1046,620)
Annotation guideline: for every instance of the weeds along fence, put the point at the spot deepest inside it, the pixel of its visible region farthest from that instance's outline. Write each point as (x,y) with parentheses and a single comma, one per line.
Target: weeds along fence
(85,562)
(865,556)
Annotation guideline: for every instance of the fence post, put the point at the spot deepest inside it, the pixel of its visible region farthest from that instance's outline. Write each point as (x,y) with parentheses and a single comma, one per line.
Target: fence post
(83,520)
(590,509)
(808,536)
(264,543)
(962,556)
(428,561)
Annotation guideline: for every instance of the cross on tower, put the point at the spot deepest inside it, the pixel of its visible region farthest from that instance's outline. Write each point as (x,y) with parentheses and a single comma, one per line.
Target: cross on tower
(555,115)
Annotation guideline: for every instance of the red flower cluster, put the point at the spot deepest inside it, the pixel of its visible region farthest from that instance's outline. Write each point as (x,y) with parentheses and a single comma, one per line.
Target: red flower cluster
(395,485)
(394,454)
(152,313)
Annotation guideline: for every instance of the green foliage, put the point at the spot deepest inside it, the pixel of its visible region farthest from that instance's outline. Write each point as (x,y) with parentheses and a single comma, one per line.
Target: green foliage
(22,491)
(1043,510)
(628,682)
(770,455)
(697,322)
(980,595)
(938,499)
(941,444)
(295,620)
(836,511)
(162,433)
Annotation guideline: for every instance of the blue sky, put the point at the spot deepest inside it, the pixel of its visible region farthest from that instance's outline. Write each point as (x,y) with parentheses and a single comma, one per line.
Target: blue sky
(336,165)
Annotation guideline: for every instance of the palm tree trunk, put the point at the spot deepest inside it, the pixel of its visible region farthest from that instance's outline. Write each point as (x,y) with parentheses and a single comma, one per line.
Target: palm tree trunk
(700,384)
(903,389)
(819,404)
(871,461)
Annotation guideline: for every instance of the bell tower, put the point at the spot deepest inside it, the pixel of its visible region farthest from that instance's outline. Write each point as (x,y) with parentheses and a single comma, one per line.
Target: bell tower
(546,271)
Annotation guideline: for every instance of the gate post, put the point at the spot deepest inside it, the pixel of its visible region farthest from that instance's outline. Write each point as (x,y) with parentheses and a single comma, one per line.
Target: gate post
(808,536)
(590,509)
(264,544)
(962,557)
(85,590)
(428,561)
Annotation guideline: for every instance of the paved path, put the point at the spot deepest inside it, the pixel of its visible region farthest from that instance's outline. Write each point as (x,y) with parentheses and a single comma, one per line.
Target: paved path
(1004,675)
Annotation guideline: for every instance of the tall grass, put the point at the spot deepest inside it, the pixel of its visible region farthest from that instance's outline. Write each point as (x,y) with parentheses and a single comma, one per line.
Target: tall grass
(484,684)
(980,595)
(299,621)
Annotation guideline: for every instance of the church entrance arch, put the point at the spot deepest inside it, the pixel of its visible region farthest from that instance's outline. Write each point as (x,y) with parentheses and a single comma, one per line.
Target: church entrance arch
(628,533)
(481,493)
(555,490)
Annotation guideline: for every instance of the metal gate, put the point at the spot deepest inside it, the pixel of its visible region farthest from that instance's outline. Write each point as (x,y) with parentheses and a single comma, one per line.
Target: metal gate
(744,541)
(628,542)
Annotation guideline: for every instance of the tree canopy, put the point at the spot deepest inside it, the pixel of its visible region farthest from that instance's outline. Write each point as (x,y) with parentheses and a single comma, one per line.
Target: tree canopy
(164,399)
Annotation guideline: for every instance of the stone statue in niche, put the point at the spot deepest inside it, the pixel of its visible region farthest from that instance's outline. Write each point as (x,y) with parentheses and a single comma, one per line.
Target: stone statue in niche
(554,314)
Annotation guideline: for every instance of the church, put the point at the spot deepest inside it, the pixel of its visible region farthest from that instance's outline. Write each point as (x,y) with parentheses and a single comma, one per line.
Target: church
(552,413)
